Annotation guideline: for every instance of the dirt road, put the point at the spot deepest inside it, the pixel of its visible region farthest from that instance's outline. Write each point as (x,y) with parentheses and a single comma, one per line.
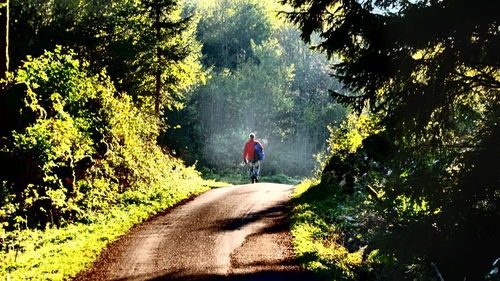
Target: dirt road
(228,233)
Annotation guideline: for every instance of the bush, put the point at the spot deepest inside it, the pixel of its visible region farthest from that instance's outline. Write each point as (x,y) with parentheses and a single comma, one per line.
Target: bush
(83,166)
(327,234)
(81,146)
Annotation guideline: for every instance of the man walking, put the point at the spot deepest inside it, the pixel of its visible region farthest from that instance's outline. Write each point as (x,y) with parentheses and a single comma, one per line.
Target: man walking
(251,157)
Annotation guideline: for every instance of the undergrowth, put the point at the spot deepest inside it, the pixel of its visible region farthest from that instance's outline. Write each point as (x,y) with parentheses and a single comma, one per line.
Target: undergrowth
(241,177)
(82,166)
(59,253)
(327,236)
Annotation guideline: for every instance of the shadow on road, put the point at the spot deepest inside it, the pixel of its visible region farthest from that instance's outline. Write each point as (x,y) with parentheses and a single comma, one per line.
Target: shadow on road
(259,276)
(237,223)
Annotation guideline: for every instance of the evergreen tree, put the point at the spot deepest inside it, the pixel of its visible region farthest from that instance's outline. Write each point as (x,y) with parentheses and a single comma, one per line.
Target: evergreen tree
(163,47)
(430,71)
(147,47)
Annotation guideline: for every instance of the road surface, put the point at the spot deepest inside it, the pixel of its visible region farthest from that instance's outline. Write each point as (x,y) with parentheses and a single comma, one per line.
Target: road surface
(229,233)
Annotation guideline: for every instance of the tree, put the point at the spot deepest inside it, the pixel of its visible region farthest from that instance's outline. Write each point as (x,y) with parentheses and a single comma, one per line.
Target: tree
(430,71)
(227,29)
(147,47)
(166,45)
(4,38)
(312,80)
(257,97)
(263,79)
(4,59)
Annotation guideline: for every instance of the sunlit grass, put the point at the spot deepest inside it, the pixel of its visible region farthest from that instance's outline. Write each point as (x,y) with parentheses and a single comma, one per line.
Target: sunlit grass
(318,239)
(59,253)
(242,177)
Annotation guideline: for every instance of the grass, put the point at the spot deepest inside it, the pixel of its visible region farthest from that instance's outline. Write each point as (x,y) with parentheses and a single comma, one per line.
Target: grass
(60,253)
(322,237)
(279,178)
(317,226)
(241,176)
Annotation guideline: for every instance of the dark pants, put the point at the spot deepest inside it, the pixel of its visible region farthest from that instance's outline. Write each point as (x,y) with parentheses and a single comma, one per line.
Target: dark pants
(254,168)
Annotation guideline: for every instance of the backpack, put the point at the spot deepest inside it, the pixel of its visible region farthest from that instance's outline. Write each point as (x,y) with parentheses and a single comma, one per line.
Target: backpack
(258,153)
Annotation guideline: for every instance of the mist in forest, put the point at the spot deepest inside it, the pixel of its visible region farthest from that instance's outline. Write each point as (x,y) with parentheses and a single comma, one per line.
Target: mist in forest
(262,78)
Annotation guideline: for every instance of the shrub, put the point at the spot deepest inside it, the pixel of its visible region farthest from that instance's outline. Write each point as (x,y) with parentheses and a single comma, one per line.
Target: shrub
(82,166)
(80,146)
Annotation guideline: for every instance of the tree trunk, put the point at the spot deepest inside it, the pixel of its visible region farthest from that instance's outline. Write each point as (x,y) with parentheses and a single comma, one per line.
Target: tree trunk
(4,37)
(158,61)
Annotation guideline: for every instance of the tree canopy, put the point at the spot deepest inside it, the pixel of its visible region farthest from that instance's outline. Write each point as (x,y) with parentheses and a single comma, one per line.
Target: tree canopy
(261,78)
(429,71)
(134,41)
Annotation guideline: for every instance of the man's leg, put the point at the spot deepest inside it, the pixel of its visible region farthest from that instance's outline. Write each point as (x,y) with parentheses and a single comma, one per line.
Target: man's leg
(257,171)
(251,172)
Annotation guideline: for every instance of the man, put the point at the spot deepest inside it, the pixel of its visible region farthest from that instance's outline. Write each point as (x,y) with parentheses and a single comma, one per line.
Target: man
(250,158)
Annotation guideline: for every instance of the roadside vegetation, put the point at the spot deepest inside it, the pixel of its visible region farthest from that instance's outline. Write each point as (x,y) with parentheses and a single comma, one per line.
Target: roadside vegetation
(410,190)
(85,167)
(57,253)
(80,123)
(322,225)
(114,110)
(333,225)
(242,177)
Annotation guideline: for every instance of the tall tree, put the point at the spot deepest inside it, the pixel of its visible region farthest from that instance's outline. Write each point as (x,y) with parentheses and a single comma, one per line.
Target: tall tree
(147,47)
(4,38)
(163,32)
(431,71)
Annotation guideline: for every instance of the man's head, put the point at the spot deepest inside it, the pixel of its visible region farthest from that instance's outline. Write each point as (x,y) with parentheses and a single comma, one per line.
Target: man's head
(252,136)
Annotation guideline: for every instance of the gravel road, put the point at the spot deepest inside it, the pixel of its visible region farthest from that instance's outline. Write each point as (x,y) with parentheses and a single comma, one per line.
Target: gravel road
(229,233)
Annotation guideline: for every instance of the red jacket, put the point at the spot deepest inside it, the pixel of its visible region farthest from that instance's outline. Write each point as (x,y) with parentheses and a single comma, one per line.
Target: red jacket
(250,149)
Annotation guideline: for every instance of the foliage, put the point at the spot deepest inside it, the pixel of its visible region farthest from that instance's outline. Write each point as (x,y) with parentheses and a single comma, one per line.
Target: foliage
(83,159)
(276,91)
(227,29)
(80,145)
(326,237)
(347,164)
(124,37)
(258,97)
(347,138)
(428,71)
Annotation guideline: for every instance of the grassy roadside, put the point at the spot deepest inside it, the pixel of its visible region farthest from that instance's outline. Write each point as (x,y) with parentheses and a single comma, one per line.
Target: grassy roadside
(241,177)
(324,236)
(60,253)
(85,167)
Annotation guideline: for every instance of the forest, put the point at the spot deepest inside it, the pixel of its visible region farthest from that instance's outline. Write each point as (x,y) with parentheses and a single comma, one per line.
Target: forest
(385,112)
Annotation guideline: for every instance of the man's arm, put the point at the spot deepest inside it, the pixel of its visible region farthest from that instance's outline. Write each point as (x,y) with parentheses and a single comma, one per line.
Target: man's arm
(245,153)
(261,146)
